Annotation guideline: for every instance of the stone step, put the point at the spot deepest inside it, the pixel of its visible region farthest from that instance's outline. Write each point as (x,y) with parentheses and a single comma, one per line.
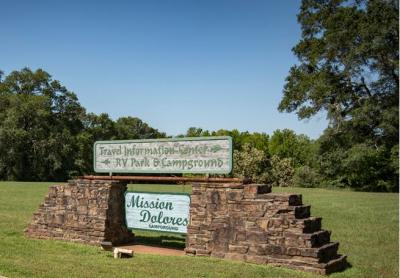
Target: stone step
(312,224)
(324,253)
(305,225)
(298,212)
(318,238)
(292,199)
(302,211)
(309,240)
(327,251)
(295,200)
(336,263)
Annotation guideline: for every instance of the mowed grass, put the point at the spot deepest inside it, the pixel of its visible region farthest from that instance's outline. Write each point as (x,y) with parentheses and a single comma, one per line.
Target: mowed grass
(365,224)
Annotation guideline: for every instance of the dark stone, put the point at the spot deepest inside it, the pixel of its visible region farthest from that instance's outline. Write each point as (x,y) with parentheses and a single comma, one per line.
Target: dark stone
(247,223)
(86,211)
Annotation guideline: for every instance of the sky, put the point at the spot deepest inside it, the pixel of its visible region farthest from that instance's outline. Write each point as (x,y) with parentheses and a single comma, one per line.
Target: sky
(173,64)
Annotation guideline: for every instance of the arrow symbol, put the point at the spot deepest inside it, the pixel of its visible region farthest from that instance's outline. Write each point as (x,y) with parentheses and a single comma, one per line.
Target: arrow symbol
(216,148)
(106,162)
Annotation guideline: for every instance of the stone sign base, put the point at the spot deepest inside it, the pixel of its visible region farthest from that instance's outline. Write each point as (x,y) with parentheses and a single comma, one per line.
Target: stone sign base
(248,223)
(233,221)
(86,211)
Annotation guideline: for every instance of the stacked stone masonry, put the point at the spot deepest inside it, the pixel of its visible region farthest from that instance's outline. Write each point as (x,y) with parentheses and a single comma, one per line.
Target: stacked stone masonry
(248,223)
(233,221)
(82,211)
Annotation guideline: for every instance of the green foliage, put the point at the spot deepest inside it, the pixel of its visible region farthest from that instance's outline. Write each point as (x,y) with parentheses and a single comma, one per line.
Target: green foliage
(306,176)
(256,140)
(365,168)
(134,128)
(251,163)
(394,159)
(101,127)
(349,69)
(286,144)
(196,132)
(282,171)
(40,119)
(96,127)
(45,134)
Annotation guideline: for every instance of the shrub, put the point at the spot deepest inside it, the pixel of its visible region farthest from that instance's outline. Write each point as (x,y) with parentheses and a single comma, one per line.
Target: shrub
(251,163)
(306,176)
(282,171)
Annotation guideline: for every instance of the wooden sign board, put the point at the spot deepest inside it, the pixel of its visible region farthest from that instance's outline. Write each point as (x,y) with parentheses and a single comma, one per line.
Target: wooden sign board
(173,155)
(166,212)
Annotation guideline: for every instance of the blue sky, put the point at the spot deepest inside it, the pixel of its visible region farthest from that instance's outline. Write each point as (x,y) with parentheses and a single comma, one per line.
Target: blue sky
(174,64)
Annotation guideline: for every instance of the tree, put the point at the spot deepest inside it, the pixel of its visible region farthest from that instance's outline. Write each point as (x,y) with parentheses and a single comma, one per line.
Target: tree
(287,144)
(349,68)
(256,140)
(96,128)
(135,128)
(102,127)
(45,134)
(305,176)
(39,121)
(196,132)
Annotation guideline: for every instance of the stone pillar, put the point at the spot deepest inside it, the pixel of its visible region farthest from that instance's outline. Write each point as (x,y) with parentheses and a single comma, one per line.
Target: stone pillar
(86,211)
(249,223)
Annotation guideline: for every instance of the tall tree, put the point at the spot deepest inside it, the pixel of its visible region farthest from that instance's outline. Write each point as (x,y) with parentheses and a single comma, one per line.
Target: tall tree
(135,128)
(348,68)
(45,134)
(39,121)
(95,128)
(287,144)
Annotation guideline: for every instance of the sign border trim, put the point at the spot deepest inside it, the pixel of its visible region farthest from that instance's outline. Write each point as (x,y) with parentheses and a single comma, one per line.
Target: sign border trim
(155,193)
(230,158)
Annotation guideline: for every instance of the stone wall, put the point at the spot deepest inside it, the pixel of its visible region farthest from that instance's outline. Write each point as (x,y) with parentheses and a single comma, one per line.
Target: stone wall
(248,223)
(86,211)
(233,221)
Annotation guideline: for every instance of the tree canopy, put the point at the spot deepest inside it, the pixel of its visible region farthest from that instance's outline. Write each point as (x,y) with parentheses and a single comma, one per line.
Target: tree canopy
(37,113)
(45,134)
(349,69)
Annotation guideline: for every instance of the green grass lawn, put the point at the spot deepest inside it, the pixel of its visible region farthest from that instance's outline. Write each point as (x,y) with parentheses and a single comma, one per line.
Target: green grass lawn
(365,224)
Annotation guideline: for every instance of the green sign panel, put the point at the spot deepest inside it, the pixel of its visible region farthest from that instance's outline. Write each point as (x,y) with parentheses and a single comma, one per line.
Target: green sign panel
(167,212)
(172,155)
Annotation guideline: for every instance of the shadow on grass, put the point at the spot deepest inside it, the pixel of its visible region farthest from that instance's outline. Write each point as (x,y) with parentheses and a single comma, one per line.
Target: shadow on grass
(161,240)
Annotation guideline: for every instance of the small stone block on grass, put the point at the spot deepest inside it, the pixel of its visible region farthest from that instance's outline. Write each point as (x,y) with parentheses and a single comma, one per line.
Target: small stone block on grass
(122,253)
